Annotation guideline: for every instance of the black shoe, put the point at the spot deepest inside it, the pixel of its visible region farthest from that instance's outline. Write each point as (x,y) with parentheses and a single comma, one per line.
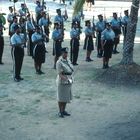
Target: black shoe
(41,72)
(1,63)
(75,64)
(38,72)
(89,59)
(104,67)
(66,113)
(61,115)
(20,78)
(16,79)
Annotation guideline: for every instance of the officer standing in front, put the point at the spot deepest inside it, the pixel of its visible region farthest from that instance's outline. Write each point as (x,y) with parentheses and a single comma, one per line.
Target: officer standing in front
(17,42)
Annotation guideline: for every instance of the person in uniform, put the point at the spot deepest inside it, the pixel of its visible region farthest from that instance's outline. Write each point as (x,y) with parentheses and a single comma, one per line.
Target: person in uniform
(15,23)
(17,42)
(44,24)
(88,43)
(60,19)
(64,82)
(99,27)
(57,37)
(38,11)
(116,27)
(124,22)
(77,19)
(23,10)
(107,42)
(1,43)
(38,50)
(74,43)
(10,18)
(30,29)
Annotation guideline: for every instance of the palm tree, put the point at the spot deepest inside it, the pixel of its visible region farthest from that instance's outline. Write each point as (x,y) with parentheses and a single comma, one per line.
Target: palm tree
(127,58)
(130,36)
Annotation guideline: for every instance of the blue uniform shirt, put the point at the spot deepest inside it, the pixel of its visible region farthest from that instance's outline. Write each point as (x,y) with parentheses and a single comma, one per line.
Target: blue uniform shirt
(36,36)
(74,33)
(22,12)
(89,31)
(17,39)
(12,27)
(56,34)
(38,9)
(116,23)
(30,25)
(10,17)
(108,35)
(125,20)
(59,19)
(100,26)
(43,22)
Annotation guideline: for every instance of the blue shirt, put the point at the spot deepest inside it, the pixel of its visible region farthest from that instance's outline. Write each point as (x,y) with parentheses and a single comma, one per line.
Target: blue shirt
(59,19)
(12,27)
(18,39)
(56,34)
(30,25)
(43,22)
(36,37)
(22,12)
(89,31)
(74,33)
(10,17)
(100,26)
(116,23)
(107,35)
(125,20)
(38,9)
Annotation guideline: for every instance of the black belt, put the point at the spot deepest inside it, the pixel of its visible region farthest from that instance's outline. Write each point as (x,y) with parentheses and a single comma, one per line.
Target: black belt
(66,73)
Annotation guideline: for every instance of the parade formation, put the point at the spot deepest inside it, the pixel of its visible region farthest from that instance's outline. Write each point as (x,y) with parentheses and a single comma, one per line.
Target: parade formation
(34,34)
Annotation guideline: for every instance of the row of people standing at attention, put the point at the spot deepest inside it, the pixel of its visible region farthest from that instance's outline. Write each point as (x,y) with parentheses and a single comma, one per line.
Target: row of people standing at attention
(58,35)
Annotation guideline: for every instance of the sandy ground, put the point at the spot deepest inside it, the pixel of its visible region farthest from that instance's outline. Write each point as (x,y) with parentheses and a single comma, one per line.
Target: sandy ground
(28,109)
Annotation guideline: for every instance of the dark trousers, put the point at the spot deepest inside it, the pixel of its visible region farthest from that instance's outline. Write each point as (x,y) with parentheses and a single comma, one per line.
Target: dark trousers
(74,50)
(30,47)
(1,47)
(17,55)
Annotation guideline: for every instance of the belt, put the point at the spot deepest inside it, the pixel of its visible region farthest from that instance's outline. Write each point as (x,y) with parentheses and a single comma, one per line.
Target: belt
(66,73)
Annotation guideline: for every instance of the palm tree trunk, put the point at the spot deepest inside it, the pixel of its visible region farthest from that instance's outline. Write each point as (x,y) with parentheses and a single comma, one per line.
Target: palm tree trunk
(130,36)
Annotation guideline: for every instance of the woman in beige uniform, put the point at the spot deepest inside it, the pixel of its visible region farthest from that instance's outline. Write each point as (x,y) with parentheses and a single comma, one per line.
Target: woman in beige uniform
(64,82)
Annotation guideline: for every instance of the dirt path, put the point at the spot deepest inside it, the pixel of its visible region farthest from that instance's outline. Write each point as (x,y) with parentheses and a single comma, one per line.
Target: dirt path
(28,110)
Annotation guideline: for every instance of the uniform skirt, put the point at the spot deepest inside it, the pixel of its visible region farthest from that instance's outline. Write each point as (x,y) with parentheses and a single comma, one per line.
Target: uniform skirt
(64,92)
(108,48)
(39,53)
(57,48)
(88,44)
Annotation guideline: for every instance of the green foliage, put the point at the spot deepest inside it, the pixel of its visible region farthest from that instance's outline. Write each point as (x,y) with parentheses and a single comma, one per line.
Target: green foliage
(78,6)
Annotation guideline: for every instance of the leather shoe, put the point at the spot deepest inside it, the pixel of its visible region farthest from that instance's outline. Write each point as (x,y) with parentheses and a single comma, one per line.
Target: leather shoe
(66,113)
(61,115)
